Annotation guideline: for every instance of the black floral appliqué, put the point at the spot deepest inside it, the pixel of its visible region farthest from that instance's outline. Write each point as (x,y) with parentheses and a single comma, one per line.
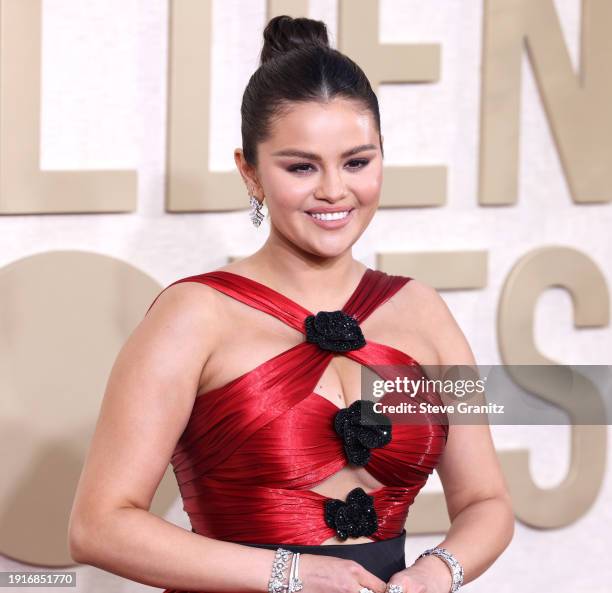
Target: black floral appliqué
(362,429)
(334,330)
(352,518)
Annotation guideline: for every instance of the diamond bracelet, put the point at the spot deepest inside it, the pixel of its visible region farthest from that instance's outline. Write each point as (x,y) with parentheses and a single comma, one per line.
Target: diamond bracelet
(452,562)
(276,583)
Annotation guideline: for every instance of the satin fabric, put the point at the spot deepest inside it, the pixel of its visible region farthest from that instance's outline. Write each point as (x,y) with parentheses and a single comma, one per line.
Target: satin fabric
(254,447)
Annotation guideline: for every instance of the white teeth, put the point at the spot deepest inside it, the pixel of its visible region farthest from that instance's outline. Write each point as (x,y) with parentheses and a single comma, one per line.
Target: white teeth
(329,215)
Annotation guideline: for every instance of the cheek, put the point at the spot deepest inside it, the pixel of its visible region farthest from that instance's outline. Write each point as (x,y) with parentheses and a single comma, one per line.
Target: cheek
(283,191)
(368,188)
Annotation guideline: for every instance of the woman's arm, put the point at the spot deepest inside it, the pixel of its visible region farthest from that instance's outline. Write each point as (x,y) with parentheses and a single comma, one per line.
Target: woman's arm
(477,496)
(147,403)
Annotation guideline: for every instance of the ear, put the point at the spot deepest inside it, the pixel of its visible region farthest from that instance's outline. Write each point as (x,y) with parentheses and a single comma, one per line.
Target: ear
(248,173)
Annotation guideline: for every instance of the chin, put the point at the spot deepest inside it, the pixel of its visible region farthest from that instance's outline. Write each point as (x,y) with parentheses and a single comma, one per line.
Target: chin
(332,250)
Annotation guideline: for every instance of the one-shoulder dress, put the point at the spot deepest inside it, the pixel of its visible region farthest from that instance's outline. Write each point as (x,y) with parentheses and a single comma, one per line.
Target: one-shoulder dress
(254,447)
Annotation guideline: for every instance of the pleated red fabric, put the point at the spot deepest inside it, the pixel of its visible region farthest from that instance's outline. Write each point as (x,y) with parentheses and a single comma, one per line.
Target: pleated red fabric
(253,448)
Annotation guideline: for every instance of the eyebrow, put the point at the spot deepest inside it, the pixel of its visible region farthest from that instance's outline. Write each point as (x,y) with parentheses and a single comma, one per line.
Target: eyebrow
(316,157)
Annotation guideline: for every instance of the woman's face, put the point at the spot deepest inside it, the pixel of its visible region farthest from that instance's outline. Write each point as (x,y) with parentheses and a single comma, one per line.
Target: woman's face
(321,157)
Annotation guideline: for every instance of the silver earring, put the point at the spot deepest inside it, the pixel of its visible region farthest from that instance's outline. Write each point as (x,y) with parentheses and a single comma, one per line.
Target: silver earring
(255,213)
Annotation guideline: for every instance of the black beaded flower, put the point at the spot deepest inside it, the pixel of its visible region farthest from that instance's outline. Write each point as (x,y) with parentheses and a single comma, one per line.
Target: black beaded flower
(362,429)
(352,518)
(334,330)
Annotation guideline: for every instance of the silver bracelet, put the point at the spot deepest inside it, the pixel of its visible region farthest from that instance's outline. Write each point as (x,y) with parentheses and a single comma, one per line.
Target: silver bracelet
(452,562)
(295,583)
(276,583)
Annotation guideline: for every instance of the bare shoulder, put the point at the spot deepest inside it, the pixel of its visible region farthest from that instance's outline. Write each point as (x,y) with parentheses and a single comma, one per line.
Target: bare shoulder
(424,301)
(417,289)
(431,316)
(187,297)
(190,285)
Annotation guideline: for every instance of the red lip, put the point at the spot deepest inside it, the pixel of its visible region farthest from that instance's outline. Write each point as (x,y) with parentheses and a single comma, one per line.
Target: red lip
(327,210)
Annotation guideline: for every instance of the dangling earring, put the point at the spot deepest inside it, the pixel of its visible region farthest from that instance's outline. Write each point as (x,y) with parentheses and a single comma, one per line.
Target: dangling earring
(255,213)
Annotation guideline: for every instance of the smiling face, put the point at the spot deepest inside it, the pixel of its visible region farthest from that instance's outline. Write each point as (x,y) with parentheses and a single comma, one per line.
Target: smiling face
(319,157)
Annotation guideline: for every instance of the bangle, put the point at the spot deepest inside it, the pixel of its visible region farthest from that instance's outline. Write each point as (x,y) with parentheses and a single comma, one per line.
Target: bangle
(295,583)
(452,562)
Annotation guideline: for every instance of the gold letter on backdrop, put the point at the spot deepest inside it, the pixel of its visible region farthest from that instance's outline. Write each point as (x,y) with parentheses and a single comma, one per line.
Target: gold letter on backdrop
(444,270)
(532,275)
(192,187)
(577,105)
(24,188)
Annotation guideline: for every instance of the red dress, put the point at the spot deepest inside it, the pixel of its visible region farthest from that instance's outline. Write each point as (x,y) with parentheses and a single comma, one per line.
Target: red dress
(253,448)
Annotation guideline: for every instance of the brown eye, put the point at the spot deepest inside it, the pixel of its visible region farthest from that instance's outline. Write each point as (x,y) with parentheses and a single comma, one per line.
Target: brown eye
(299,168)
(358,163)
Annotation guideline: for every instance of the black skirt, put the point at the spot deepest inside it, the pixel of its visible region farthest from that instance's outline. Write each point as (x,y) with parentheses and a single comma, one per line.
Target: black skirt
(382,558)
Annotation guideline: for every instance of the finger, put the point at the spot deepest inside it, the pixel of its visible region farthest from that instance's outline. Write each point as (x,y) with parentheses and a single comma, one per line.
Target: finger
(371,581)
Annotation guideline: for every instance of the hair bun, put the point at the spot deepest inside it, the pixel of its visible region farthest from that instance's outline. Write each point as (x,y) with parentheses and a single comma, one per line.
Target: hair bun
(284,33)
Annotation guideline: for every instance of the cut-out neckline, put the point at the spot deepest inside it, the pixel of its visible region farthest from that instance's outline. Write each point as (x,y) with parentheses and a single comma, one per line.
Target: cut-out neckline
(271,291)
(265,287)
(201,394)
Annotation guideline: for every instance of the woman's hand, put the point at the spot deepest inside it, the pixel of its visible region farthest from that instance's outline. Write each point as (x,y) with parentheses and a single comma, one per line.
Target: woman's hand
(427,575)
(329,574)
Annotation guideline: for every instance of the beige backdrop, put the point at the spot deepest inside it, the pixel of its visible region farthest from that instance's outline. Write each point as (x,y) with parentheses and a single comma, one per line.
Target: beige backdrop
(497,191)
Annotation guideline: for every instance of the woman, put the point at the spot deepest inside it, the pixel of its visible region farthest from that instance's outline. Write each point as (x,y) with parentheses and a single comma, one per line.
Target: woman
(274,456)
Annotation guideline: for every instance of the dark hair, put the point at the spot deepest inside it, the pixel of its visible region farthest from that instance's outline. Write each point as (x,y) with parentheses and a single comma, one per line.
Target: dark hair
(297,64)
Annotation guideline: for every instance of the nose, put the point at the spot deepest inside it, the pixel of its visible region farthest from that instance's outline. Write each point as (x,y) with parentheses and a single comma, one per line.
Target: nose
(332,187)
